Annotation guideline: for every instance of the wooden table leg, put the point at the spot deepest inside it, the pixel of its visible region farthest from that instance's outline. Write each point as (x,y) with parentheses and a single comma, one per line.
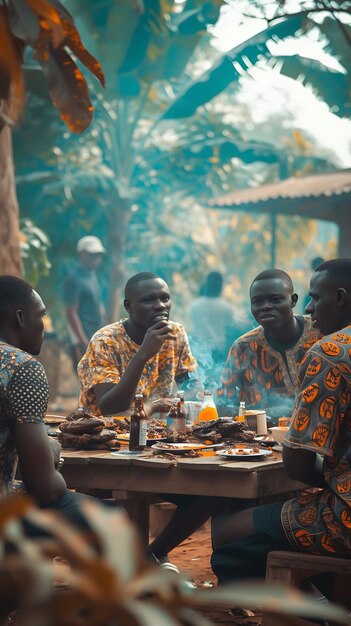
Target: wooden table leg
(137,507)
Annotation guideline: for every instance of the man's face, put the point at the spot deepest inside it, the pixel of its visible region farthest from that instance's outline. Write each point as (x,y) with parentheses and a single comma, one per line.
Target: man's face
(90,261)
(149,302)
(32,332)
(323,306)
(272,302)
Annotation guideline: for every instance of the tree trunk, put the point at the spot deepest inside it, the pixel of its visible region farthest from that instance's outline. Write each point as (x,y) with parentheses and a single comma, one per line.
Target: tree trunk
(10,258)
(117,259)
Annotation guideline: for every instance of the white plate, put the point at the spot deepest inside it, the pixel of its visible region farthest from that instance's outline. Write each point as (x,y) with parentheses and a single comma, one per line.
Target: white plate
(149,440)
(126,452)
(178,448)
(234,453)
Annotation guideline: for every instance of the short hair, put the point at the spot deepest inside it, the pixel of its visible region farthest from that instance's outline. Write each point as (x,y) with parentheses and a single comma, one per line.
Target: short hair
(339,271)
(316,262)
(15,293)
(136,279)
(274,273)
(214,284)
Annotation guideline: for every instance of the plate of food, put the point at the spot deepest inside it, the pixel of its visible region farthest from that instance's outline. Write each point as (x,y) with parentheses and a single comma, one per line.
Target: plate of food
(177,448)
(265,440)
(243,453)
(149,441)
(54,419)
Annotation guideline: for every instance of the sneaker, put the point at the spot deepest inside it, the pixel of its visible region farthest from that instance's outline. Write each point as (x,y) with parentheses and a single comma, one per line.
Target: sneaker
(165,563)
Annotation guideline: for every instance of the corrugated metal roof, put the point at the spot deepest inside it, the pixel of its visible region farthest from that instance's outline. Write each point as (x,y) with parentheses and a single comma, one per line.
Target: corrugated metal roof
(331,184)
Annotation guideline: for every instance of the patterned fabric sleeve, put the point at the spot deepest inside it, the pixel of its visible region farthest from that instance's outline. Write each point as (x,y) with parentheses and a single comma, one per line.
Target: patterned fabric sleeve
(28,393)
(186,362)
(227,391)
(101,363)
(320,406)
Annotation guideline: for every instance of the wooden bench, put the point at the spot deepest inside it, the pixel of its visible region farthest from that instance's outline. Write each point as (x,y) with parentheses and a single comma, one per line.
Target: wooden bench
(290,568)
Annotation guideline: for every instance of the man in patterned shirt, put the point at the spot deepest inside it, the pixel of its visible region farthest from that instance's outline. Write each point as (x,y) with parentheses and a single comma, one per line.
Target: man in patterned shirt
(316,451)
(261,367)
(150,354)
(23,402)
(145,353)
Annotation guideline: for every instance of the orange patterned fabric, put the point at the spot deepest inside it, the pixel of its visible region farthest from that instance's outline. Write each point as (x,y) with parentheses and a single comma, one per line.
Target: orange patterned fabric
(109,353)
(321,522)
(256,373)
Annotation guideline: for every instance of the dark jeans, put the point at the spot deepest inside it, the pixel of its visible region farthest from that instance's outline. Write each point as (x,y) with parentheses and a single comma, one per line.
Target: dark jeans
(69,507)
(246,558)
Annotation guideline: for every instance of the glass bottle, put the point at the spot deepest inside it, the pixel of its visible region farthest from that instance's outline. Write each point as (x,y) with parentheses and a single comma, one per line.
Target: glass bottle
(138,424)
(183,406)
(241,415)
(208,409)
(176,418)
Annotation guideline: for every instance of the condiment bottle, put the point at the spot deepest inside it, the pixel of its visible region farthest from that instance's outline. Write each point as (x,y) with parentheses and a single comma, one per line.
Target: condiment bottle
(183,406)
(241,415)
(208,409)
(138,424)
(176,418)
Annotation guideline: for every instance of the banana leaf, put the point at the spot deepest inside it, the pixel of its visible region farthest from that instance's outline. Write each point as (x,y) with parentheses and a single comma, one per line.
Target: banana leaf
(216,79)
(332,86)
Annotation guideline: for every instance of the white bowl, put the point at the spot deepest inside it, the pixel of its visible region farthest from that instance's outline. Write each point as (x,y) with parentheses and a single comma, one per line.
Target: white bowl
(278,433)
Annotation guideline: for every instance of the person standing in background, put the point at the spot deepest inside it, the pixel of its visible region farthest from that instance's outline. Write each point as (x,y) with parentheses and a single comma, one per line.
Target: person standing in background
(315,262)
(82,296)
(212,319)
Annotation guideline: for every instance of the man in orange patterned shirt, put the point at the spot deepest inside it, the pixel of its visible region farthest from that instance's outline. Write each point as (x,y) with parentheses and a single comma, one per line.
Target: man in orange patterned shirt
(145,353)
(261,367)
(317,448)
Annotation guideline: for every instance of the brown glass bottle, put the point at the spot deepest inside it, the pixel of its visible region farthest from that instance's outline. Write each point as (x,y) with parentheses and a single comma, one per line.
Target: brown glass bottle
(138,424)
(176,418)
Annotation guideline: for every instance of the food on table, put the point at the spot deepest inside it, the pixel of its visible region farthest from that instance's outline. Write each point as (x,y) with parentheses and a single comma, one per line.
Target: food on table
(184,446)
(82,425)
(82,431)
(244,451)
(77,414)
(223,429)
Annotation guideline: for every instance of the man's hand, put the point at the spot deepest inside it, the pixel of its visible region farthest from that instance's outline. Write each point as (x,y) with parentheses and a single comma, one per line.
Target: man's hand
(154,338)
(161,405)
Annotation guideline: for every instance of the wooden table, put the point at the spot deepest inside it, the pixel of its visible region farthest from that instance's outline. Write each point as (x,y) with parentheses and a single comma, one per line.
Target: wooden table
(134,479)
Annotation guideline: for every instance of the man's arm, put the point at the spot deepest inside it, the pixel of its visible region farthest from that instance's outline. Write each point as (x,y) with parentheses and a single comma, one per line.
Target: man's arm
(76,324)
(112,398)
(304,465)
(38,472)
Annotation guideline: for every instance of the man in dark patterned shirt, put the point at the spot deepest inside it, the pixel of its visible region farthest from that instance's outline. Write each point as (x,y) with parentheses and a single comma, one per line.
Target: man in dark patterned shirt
(316,451)
(261,367)
(23,402)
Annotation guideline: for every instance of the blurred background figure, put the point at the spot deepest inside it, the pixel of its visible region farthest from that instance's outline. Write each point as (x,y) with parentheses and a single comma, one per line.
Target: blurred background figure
(213,327)
(315,262)
(82,296)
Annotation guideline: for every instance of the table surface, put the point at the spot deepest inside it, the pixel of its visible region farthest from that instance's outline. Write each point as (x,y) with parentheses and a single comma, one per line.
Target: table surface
(148,474)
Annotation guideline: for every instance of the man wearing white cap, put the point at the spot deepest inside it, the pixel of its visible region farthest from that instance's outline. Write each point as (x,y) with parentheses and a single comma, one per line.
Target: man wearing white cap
(82,296)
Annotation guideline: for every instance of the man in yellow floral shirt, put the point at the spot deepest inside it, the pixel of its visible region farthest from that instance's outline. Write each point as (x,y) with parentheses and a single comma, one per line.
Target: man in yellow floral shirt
(316,451)
(145,353)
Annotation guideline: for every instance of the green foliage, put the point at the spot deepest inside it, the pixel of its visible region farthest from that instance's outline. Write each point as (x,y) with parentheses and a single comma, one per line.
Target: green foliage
(34,246)
(115,584)
(134,178)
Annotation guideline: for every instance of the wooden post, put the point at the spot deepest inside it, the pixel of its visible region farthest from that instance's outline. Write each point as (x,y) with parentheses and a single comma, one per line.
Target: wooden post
(10,258)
